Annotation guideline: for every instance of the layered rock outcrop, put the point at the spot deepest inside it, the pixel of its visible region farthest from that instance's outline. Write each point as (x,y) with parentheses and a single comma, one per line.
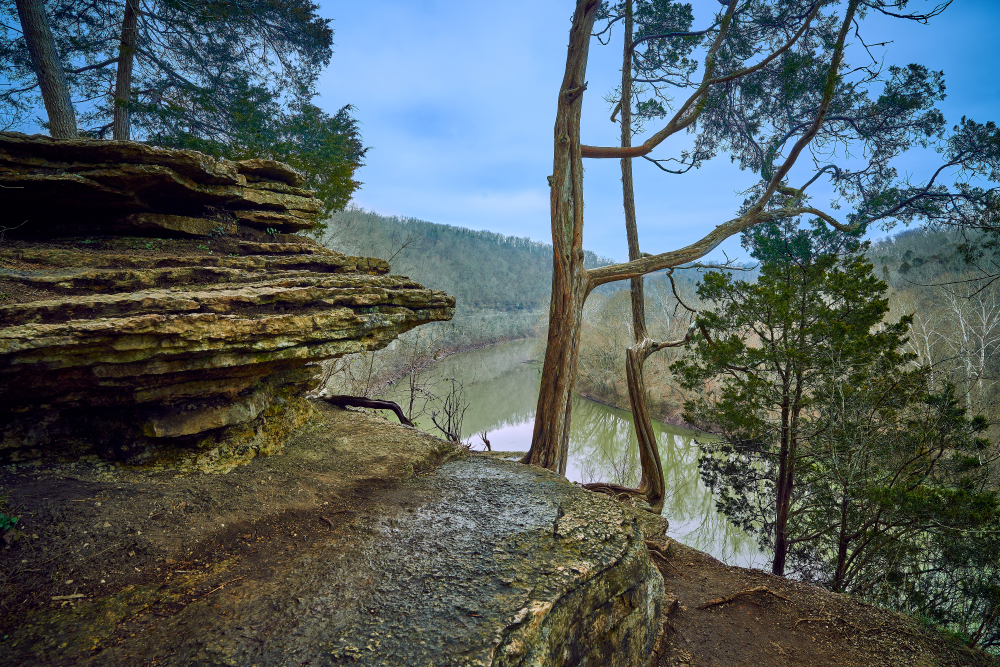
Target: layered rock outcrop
(145,348)
(60,186)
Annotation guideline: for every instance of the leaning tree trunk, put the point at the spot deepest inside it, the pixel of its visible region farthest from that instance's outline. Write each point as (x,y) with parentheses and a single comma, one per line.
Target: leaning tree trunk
(652,486)
(123,79)
(570,283)
(51,78)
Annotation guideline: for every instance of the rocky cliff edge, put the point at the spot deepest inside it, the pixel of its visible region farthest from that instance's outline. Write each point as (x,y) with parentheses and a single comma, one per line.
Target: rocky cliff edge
(154,309)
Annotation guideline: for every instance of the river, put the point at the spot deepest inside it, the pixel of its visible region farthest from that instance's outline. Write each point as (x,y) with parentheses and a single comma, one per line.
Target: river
(501,384)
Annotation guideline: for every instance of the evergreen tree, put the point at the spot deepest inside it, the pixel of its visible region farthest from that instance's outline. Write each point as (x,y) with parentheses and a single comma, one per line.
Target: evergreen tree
(832,447)
(233,79)
(767,83)
(772,344)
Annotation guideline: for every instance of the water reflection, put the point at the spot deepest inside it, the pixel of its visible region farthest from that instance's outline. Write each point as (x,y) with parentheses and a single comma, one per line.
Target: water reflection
(502,389)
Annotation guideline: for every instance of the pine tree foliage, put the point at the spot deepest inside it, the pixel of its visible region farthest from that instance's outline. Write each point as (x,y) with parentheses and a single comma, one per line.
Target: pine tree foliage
(233,78)
(845,458)
(192,57)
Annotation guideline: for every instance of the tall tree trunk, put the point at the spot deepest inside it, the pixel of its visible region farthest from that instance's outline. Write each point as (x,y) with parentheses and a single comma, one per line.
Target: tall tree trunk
(843,540)
(123,78)
(570,283)
(652,485)
(628,189)
(51,78)
(783,496)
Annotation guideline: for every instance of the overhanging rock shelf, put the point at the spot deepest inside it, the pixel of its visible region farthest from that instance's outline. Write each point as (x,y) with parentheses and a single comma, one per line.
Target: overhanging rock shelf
(194,348)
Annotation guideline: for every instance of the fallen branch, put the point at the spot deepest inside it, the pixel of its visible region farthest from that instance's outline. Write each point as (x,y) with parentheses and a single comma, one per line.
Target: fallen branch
(739,594)
(361,402)
(74,596)
(224,585)
(829,619)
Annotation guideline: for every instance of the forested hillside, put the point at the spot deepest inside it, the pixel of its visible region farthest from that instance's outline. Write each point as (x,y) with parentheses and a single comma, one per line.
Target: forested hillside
(501,283)
(955,306)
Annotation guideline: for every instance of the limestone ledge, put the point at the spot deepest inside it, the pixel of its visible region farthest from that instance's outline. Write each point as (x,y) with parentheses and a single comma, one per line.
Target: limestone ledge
(148,358)
(215,321)
(96,186)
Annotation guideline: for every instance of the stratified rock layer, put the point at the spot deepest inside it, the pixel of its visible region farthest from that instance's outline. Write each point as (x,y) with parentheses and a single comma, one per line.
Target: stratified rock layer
(139,348)
(87,186)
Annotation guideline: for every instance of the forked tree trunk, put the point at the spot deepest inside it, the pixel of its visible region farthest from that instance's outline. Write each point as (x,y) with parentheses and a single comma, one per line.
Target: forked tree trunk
(121,124)
(652,485)
(570,284)
(51,78)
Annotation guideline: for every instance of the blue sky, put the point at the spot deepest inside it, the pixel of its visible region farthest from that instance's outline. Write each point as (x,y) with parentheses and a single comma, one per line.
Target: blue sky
(457,101)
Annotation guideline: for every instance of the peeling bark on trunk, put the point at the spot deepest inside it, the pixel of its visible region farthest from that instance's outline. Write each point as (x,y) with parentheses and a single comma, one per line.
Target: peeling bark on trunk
(121,124)
(570,283)
(652,485)
(51,78)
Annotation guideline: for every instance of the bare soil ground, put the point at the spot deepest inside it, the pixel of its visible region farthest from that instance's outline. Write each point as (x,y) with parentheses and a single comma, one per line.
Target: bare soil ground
(106,554)
(772,621)
(153,541)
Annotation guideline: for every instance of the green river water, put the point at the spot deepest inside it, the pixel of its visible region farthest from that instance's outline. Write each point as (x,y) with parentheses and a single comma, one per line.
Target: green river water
(501,388)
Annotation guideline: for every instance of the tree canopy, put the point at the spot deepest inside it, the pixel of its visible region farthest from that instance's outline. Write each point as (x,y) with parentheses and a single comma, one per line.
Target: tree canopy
(192,57)
(767,84)
(232,78)
(859,469)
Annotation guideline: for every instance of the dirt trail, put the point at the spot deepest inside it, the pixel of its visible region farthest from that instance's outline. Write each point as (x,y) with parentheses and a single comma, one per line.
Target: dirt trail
(786,624)
(145,544)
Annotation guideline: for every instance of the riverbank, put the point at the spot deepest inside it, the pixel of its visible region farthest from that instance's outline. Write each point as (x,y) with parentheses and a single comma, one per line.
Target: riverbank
(661,413)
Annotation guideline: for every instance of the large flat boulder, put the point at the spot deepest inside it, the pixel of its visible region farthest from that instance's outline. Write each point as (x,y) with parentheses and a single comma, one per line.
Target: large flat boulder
(355,545)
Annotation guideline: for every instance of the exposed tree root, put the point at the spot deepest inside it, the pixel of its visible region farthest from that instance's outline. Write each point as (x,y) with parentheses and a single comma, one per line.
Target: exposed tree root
(739,594)
(362,402)
(623,494)
(658,550)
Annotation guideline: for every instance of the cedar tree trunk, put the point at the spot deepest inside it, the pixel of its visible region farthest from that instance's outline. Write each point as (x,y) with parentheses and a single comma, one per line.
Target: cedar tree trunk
(570,284)
(51,78)
(123,79)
